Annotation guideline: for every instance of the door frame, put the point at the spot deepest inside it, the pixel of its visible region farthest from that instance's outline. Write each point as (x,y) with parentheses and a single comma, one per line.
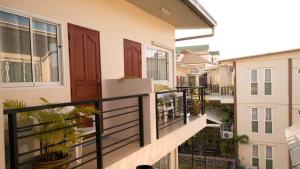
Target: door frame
(100,68)
(140,59)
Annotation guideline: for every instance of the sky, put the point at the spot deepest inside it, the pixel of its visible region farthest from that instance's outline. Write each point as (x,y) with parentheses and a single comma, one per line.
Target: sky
(249,27)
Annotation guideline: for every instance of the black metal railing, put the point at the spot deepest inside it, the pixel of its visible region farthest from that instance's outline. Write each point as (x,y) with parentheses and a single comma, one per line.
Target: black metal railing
(212,89)
(227,91)
(177,106)
(115,123)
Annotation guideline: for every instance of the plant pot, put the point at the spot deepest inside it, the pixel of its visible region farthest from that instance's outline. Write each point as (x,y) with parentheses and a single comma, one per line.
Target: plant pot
(42,164)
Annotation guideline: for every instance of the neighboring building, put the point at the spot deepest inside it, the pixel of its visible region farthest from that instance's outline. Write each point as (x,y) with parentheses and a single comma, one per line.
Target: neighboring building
(198,66)
(267,101)
(69,51)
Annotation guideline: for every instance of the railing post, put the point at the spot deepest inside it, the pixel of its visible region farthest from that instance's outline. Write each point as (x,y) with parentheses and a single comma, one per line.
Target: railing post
(157,116)
(13,146)
(99,129)
(202,101)
(184,107)
(141,120)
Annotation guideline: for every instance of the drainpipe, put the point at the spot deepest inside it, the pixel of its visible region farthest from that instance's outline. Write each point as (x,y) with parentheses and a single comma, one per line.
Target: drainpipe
(199,36)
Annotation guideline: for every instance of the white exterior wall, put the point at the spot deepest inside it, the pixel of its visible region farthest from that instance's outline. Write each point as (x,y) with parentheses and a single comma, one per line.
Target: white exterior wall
(114,19)
(278,101)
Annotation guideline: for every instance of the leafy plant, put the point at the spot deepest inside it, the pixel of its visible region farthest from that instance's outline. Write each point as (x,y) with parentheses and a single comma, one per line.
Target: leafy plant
(227,146)
(160,87)
(56,132)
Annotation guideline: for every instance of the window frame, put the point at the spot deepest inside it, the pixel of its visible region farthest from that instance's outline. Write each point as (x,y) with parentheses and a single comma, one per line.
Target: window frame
(251,110)
(253,82)
(255,157)
(169,57)
(59,33)
(272,155)
(269,120)
(268,81)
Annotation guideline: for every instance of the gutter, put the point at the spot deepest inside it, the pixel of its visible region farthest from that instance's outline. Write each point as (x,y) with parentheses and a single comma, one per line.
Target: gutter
(196,7)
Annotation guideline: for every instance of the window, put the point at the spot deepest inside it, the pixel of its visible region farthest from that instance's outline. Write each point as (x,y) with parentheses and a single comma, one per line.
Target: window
(28,50)
(163,163)
(254,85)
(254,120)
(157,64)
(255,159)
(269,161)
(268,120)
(268,81)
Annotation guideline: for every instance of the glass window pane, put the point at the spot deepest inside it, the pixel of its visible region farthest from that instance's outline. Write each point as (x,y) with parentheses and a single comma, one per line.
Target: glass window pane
(157,64)
(15,51)
(254,114)
(162,163)
(268,75)
(151,56)
(268,88)
(45,52)
(269,164)
(269,152)
(255,126)
(255,162)
(255,150)
(268,126)
(162,65)
(268,114)
(254,76)
(254,90)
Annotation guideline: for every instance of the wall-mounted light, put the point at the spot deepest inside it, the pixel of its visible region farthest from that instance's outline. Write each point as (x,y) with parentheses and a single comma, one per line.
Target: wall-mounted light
(166,12)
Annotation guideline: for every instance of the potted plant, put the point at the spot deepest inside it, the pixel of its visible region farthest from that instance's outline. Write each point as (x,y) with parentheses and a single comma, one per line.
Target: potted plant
(55,130)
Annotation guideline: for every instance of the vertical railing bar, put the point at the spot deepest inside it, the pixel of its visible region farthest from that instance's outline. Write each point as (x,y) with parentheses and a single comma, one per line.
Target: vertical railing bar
(141,120)
(99,129)
(203,101)
(184,107)
(157,116)
(13,146)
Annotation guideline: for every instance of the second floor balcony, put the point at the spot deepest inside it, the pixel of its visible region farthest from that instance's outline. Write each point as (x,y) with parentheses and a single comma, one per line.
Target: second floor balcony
(103,133)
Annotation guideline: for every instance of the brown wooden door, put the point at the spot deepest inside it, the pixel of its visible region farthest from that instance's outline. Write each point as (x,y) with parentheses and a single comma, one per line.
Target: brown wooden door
(132,59)
(84,49)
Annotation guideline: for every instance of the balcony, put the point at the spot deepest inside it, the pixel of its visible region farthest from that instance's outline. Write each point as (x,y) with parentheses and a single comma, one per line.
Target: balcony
(224,94)
(112,129)
(118,130)
(176,108)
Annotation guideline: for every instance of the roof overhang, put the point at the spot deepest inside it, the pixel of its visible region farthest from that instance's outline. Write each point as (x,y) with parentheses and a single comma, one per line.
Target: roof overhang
(183,14)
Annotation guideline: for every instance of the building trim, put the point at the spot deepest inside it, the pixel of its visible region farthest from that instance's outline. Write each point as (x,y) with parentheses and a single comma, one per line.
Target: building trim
(290,94)
(290,90)
(259,55)
(235,107)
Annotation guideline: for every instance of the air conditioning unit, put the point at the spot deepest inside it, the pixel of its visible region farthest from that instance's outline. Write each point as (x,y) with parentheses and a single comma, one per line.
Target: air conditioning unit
(227,135)
(251,167)
(226,130)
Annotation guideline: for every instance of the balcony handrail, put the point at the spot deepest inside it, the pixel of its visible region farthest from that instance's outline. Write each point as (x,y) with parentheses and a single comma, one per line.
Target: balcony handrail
(178,104)
(56,105)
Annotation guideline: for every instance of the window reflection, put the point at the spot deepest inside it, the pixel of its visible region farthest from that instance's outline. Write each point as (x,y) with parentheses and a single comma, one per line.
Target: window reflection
(17,56)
